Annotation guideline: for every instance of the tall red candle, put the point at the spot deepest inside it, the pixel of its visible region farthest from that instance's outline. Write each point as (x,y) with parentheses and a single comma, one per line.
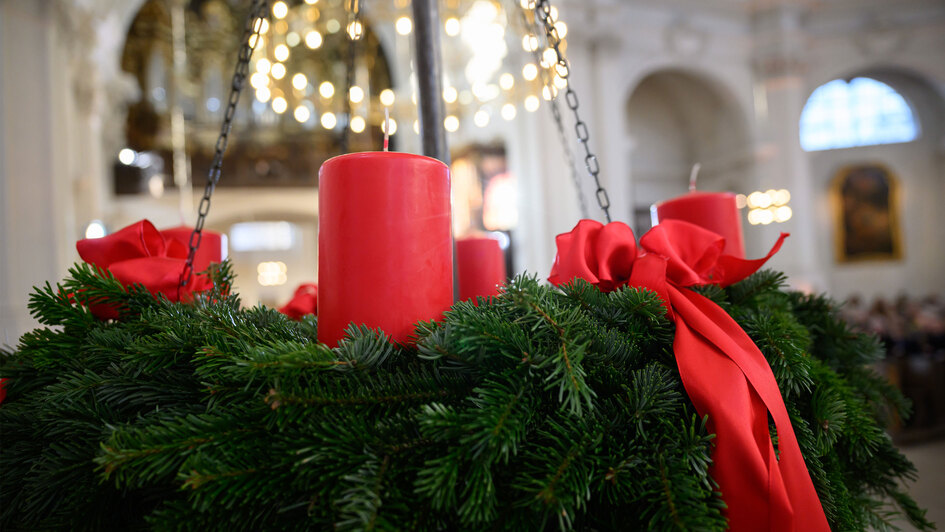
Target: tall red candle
(384,246)
(211,247)
(715,211)
(480,266)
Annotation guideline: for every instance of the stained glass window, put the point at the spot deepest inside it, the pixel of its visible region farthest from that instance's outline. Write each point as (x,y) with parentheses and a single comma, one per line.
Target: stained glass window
(861,112)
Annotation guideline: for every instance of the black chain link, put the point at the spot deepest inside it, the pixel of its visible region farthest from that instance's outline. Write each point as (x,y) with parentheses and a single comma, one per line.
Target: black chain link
(533,30)
(563,70)
(258,12)
(354,31)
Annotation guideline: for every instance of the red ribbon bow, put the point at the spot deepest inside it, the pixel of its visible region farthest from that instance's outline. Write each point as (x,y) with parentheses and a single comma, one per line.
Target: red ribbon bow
(305,301)
(139,253)
(724,373)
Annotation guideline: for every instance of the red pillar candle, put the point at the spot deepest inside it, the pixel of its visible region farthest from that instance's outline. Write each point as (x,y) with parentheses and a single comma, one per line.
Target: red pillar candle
(211,245)
(480,266)
(715,211)
(385,254)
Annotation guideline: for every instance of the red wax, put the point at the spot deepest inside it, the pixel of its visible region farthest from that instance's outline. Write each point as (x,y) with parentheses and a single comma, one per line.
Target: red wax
(385,254)
(210,249)
(480,265)
(715,211)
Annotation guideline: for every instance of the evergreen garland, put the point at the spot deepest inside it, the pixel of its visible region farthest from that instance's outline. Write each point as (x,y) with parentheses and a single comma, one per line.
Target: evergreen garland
(539,409)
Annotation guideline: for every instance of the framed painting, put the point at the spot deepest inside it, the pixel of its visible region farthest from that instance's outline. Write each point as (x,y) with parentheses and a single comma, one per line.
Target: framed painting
(866,207)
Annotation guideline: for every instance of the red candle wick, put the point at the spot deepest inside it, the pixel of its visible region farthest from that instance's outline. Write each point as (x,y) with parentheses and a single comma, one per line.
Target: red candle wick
(693,175)
(386,128)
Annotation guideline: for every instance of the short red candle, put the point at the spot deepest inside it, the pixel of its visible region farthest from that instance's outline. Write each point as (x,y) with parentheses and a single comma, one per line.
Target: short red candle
(480,266)
(385,254)
(715,211)
(210,249)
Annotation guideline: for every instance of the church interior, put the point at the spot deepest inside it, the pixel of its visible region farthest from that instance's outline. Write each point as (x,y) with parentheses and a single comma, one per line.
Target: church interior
(826,119)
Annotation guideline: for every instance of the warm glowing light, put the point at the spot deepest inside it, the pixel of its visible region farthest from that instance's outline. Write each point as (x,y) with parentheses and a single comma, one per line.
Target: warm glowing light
(529,71)
(357,124)
(302,114)
(451,26)
(387,97)
(553,13)
(281,53)
(96,228)
(279,105)
(280,9)
(508,111)
(391,124)
(782,213)
(527,4)
(126,156)
(278,71)
(311,2)
(549,57)
(329,120)
(299,81)
(326,89)
(281,26)
(481,118)
(546,93)
(259,79)
(313,39)
(263,66)
(332,25)
(562,29)
(263,94)
(741,201)
(354,30)
(530,43)
(271,273)
(451,123)
(759,200)
(560,82)
(403,25)
(253,39)
(293,39)
(506,81)
(450,94)
(531,103)
(416,127)
(781,197)
(355,94)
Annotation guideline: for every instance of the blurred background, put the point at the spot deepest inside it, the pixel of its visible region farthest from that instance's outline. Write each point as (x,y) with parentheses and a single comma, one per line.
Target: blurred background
(827,117)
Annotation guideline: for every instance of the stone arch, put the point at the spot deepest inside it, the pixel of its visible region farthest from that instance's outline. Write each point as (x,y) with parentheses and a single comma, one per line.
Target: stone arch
(675,118)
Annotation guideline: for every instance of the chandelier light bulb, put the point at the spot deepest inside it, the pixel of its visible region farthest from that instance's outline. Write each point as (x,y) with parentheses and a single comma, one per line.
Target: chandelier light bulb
(263,66)
(281,53)
(357,124)
(299,81)
(404,25)
(530,43)
(355,94)
(451,123)
(279,105)
(259,80)
(532,103)
(451,26)
(387,97)
(313,39)
(529,71)
(326,89)
(329,120)
(302,114)
(450,94)
(280,9)
(508,111)
(278,71)
(392,124)
(263,94)
(506,81)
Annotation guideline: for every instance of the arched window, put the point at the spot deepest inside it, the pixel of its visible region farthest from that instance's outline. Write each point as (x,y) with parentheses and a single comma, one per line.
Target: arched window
(861,112)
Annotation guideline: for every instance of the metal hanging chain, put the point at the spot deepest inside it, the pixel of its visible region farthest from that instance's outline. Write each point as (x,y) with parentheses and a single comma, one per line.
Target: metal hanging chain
(258,12)
(563,69)
(546,80)
(354,31)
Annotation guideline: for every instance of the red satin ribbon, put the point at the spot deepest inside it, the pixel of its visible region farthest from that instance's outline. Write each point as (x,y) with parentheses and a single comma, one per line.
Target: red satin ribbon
(139,253)
(724,373)
(305,301)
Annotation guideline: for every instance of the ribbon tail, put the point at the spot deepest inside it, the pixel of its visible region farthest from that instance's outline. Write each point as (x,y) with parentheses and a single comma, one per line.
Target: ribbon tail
(731,269)
(728,378)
